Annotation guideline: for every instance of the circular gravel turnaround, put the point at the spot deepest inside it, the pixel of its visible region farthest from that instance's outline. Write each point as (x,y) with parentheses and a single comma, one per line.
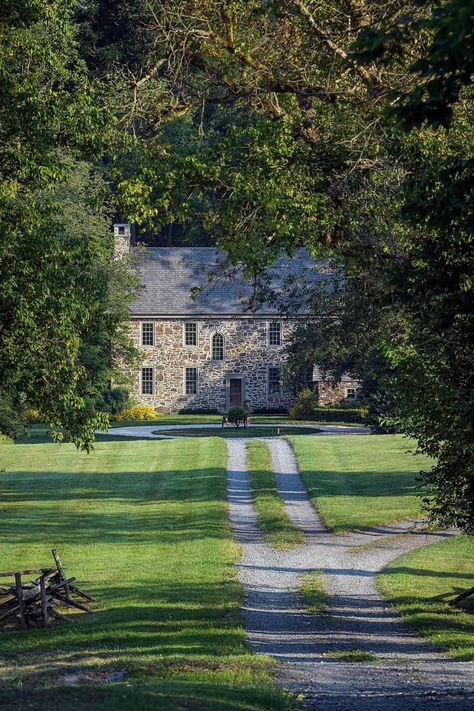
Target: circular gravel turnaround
(166,431)
(409,673)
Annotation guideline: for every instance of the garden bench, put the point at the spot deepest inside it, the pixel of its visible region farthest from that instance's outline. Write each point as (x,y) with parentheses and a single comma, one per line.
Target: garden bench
(236,421)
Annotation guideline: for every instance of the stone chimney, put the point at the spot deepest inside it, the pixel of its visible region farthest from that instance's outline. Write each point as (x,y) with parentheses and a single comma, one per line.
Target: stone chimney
(122,237)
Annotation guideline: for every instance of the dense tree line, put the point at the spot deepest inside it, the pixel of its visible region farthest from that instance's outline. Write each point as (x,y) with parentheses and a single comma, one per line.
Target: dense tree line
(345,126)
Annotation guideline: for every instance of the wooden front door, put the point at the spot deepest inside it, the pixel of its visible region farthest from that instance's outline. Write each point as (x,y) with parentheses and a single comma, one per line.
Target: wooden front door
(235,399)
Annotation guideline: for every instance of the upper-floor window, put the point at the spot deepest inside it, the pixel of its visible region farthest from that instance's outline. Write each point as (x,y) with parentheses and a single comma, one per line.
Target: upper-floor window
(274,333)
(218,346)
(274,380)
(147,381)
(190,381)
(351,393)
(190,334)
(148,334)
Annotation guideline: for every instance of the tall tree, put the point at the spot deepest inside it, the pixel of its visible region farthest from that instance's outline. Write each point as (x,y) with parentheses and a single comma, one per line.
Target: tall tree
(56,270)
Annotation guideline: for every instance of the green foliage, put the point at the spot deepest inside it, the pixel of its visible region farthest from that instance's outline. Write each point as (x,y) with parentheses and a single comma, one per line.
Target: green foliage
(236,413)
(443,68)
(114,400)
(62,297)
(341,414)
(305,405)
(306,408)
(12,422)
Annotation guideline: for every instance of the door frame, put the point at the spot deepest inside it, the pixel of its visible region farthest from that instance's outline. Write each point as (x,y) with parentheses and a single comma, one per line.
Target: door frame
(228,378)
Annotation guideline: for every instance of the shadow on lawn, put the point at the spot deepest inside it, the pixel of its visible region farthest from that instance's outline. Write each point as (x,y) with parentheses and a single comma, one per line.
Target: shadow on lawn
(369,483)
(163,694)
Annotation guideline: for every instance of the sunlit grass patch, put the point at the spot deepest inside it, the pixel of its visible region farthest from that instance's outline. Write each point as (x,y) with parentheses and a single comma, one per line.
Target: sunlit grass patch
(352,655)
(144,528)
(278,529)
(362,481)
(421,583)
(314,592)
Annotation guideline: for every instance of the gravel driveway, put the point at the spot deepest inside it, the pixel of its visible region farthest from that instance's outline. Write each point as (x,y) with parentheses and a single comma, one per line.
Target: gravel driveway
(409,673)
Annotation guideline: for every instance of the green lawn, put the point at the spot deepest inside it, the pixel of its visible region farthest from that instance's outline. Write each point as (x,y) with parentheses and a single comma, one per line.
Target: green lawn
(360,481)
(277,527)
(143,526)
(420,583)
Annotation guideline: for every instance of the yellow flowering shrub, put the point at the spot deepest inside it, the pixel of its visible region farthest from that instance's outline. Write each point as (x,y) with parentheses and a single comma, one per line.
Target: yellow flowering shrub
(139,412)
(33,415)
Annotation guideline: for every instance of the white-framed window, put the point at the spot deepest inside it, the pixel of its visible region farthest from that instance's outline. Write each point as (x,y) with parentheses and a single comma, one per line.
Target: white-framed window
(190,381)
(217,346)
(148,333)
(351,393)
(147,380)
(274,333)
(190,333)
(274,380)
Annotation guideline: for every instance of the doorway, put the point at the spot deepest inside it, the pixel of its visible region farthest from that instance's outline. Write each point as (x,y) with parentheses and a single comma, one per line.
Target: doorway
(235,392)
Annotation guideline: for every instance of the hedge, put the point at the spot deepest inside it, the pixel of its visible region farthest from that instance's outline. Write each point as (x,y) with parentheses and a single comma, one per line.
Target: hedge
(339,414)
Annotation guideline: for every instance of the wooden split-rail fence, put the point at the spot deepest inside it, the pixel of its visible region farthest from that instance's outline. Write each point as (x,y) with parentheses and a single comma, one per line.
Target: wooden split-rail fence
(34,602)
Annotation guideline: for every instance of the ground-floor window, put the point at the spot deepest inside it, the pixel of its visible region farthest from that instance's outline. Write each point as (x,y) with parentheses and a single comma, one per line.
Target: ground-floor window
(190,381)
(351,393)
(147,381)
(274,380)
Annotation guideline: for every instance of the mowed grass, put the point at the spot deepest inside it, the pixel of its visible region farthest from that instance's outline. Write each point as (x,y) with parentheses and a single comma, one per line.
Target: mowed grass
(313,590)
(360,481)
(239,432)
(143,526)
(421,583)
(278,529)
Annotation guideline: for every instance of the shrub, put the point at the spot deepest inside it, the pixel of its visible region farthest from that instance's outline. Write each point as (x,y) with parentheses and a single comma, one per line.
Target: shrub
(341,414)
(33,416)
(270,411)
(236,413)
(305,405)
(306,408)
(115,400)
(12,421)
(137,412)
(197,411)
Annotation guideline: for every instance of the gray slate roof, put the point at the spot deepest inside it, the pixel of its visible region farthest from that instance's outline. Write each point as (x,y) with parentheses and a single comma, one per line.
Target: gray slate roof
(318,376)
(168,274)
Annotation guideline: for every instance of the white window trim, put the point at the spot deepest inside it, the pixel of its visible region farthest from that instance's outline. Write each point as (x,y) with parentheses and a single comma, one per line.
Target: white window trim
(273,345)
(184,381)
(142,394)
(147,345)
(217,360)
(187,345)
(351,387)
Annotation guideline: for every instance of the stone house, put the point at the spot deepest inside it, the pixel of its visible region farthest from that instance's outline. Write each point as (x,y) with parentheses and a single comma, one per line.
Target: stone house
(209,351)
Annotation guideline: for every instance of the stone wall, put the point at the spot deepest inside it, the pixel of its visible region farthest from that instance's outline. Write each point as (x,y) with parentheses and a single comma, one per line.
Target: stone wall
(247,355)
(329,395)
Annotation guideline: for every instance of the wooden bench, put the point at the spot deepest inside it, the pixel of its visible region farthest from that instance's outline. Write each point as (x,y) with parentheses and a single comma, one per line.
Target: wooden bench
(235,421)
